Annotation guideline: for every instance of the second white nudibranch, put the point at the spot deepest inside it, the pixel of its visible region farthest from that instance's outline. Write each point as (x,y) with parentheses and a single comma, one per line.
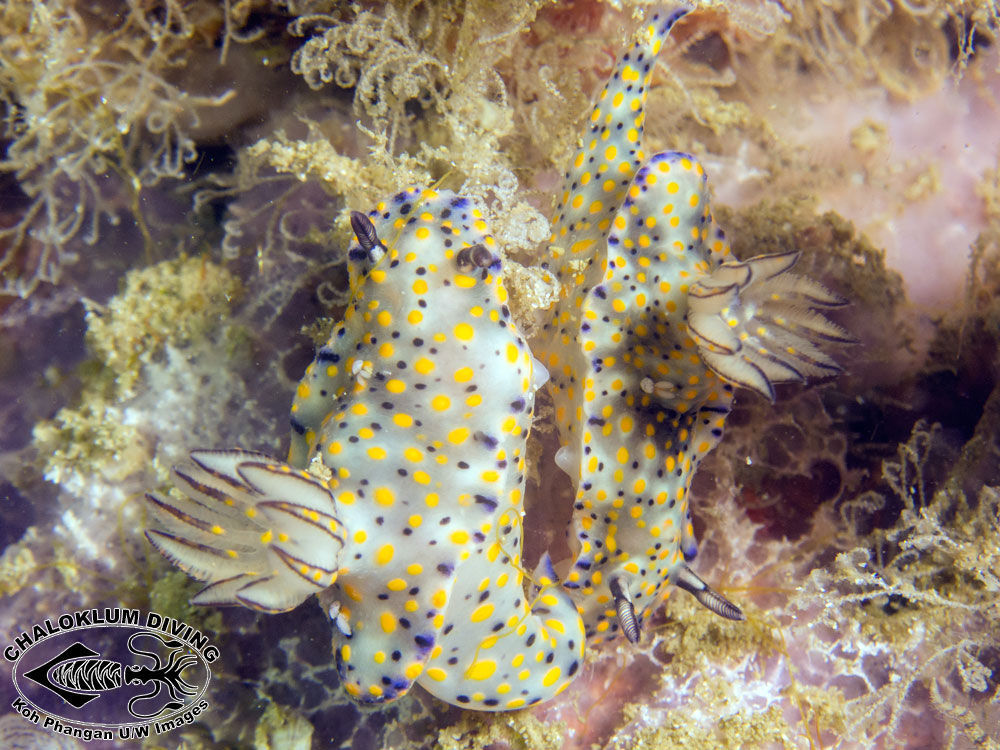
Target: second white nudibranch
(656,325)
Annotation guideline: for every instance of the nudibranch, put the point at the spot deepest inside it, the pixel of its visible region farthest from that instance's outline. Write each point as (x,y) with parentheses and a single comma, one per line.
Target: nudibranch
(401,501)
(656,325)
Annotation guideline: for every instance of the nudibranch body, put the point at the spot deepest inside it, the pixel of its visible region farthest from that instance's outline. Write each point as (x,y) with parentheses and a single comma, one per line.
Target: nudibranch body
(654,327)
(418,409)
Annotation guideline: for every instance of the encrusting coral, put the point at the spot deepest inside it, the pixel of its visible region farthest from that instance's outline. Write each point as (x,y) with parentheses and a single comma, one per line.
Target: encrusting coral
(162,310)
(91,120)
(930,587)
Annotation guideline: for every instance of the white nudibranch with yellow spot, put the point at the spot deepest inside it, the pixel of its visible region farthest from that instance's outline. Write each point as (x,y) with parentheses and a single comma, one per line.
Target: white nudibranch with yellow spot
(655,326)
(419,407)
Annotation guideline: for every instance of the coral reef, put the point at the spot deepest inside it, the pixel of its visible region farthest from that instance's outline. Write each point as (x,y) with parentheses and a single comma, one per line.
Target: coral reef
(854,521)
(91,120)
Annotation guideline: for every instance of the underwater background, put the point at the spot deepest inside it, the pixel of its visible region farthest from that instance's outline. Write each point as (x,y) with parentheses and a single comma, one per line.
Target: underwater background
(175,184)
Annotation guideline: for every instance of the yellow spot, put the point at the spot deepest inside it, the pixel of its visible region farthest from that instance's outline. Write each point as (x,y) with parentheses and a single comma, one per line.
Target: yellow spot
(423,233)
(352,592)
(440,402)
(413,671)
(345,652)
(464,332)
(414,317)
(415,520)
(384,496)
(414,569)
(388,621)
(551,676)
(459,537)
(419,286)
(463,374)
(384,554)
(396,584)
(481,669)
(395,385)
(402,420)
(424,366)
(376,452)
(386,350)
(482,612)
(360,536)
(437,674)
(421,477)
(459,435)
(622,455)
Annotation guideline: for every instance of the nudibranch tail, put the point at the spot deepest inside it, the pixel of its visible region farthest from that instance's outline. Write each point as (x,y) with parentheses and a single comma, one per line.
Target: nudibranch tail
(261,534)
(755,323)
(610,150)
(499,650)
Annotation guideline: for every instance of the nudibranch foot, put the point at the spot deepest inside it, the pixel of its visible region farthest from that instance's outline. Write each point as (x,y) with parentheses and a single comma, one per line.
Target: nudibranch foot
(260,533)
(501,650)
(755,323)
